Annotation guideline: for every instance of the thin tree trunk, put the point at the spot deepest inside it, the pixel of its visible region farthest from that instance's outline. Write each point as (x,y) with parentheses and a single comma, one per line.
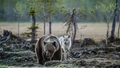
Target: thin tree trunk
(74,24)
(33,30)
(32,14)
(44,25)
(75,29)
(18,27)
(44,18)
(114,22)
(50,25)
(107,32)
(119,27)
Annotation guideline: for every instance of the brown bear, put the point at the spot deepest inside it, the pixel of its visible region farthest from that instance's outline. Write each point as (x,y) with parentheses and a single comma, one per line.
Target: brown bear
(48,48)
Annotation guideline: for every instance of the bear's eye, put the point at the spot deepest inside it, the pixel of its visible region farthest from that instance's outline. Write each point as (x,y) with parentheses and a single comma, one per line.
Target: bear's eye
(49,50)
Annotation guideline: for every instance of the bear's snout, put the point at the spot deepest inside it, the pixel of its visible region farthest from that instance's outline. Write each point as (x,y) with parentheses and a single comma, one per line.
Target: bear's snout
(48,56)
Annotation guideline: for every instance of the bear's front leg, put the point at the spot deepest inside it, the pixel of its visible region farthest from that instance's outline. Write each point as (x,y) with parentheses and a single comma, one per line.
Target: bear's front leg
(43,62)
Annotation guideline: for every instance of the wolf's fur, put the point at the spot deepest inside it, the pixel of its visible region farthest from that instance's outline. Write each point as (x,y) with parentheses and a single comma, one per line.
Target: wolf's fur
(47,48)
(65,42)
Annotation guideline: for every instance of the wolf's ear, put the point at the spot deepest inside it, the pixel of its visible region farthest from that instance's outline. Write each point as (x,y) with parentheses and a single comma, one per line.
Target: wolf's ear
(68,36)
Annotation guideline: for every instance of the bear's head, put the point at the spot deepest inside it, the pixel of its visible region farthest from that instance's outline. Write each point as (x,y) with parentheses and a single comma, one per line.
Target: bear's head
(49,49)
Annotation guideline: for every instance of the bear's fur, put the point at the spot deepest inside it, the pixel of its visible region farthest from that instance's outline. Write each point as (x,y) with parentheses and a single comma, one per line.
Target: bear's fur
(48,48)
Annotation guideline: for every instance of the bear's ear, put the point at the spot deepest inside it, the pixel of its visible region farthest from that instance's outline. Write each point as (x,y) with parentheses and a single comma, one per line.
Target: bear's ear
(44,43)
(54,43)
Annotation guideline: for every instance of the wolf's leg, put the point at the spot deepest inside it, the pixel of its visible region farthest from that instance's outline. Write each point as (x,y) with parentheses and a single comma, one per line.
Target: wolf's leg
(65,55)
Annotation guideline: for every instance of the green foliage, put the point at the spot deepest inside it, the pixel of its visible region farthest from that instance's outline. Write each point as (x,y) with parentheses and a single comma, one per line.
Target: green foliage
(82,13)
(33,27)
(105,10)
(32,11)
(28,34)
(92,13)
(6,48)
(14,40)
(19,8)
(50,6)
(22,7)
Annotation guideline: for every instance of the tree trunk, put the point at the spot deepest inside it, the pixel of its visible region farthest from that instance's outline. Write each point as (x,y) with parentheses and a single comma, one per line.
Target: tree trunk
(44,19)
(74,24)
(114,22)
(119,27)
(44,26)
(107,32)
(75,29)
(18,27)
(50,25)
(33,29)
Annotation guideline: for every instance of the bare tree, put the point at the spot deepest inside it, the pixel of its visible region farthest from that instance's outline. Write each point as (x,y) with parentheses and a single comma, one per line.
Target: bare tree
(72,26)
(106,12)
(18,26)
(114,22)
(119,25)
(107,32)
(44,10)
(50,24)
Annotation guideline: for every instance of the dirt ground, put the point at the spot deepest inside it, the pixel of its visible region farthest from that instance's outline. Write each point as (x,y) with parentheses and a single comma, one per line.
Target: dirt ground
(90,56)
(93,56)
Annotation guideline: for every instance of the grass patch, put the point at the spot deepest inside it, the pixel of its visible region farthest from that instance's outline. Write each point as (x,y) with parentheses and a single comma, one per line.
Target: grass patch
(65,66)
(56,66)
(4,66)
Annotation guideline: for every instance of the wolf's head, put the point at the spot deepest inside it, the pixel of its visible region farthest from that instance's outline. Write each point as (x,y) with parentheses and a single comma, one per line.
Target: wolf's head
(66,39)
